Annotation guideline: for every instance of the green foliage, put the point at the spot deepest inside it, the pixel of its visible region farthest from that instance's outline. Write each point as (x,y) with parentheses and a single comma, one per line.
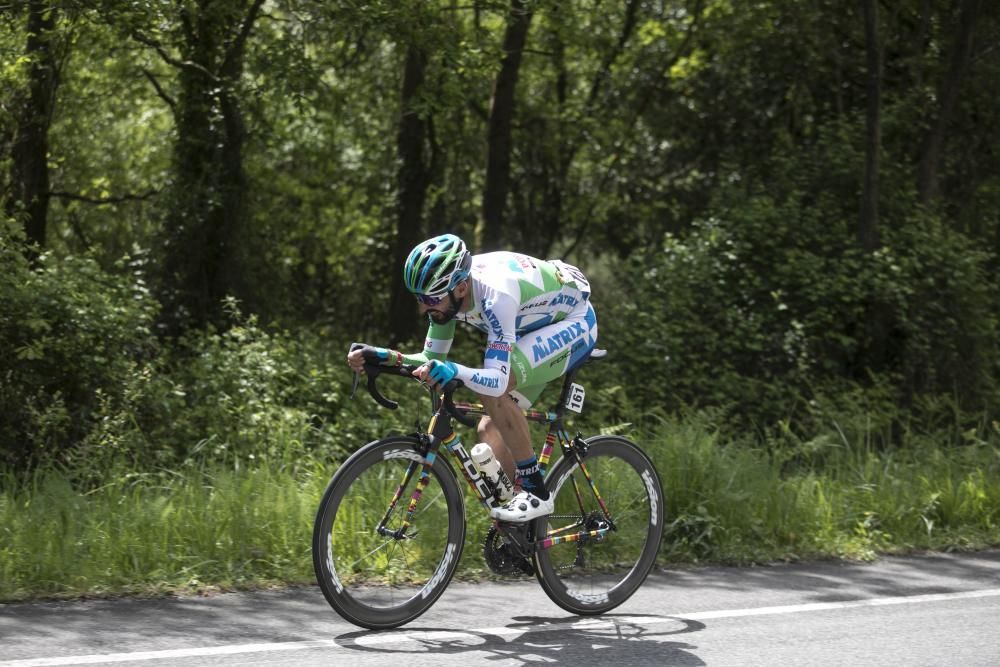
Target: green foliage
(246,523)
(87,380)
(72,335)
(110,152)
(185,530)
(772,304)
(244,394)
(845,497)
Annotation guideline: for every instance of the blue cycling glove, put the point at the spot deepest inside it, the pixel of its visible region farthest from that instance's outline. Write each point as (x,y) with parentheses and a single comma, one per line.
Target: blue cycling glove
(442,372)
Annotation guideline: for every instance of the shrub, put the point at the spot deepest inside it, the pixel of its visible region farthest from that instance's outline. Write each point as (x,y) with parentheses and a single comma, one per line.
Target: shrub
(763,308)
(72,336)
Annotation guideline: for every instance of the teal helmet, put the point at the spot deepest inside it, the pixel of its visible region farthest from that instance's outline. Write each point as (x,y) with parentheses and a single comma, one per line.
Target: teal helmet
(435,266)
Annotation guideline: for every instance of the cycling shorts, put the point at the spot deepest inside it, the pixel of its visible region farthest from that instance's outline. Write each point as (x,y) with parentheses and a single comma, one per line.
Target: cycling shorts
(550,352)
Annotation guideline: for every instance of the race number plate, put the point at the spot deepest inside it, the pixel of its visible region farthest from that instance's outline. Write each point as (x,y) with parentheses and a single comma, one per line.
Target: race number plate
(576,396)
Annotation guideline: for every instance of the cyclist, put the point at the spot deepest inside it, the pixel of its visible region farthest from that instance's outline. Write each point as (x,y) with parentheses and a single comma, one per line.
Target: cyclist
(539,324)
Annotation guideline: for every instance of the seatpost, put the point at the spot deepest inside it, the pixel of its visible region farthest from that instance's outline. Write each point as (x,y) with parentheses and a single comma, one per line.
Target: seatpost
(564,394)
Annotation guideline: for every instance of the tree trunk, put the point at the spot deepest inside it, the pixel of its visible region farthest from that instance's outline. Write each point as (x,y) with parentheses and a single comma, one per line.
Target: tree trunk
(29,173)
(874,352)
(413,177)
(557,177)
(499,146)
(933,144)
(201,264)
(868,233)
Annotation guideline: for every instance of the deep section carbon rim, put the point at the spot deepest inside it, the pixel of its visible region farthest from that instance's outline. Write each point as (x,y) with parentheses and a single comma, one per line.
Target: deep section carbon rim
(384,579)
(593,562)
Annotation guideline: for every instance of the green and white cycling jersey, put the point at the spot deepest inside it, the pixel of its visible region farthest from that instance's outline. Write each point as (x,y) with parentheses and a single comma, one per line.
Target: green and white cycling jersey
(537,318)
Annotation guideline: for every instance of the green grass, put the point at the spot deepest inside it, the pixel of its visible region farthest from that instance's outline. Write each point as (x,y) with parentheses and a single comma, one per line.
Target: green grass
(825,498)
(156,532)
(251,525)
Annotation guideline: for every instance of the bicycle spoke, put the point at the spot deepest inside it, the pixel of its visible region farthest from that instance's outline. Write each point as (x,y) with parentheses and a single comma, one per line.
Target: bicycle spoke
(376,579)
(591,561)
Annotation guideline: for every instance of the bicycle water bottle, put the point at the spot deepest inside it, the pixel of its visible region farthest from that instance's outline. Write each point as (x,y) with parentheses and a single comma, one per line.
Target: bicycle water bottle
(491,469)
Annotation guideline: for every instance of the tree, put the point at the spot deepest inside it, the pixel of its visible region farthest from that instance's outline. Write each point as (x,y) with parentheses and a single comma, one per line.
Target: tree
(958,65)
(29,173)
(501,118)
(565,105)
(412,190)
(868,232)
(201,264)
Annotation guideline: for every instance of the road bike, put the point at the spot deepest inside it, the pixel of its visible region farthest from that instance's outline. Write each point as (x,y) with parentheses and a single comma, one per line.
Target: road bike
(390,528)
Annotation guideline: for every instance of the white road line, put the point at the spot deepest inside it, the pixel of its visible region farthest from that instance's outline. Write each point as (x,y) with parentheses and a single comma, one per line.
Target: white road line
(170,654)
(849,604)
(476,634)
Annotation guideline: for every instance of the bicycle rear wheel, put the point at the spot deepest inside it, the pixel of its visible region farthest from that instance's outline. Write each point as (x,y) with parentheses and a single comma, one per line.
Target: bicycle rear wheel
(588,564)
(377,579)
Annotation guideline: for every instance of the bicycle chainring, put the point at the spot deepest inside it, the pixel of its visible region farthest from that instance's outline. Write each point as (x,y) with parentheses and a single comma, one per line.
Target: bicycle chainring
(502,557)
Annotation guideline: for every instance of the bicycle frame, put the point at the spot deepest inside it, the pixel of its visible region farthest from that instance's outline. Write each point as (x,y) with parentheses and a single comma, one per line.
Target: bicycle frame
(440,432)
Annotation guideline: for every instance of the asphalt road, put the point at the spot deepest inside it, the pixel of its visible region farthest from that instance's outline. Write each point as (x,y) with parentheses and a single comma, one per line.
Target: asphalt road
(936,609)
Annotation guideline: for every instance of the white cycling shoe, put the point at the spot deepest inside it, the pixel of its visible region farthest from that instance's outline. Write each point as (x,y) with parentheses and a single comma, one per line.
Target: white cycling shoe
(523,507)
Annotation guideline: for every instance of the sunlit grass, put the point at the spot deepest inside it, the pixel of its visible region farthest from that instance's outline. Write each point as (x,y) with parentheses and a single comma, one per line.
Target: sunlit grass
(846,499)
(251,525)
(148,533)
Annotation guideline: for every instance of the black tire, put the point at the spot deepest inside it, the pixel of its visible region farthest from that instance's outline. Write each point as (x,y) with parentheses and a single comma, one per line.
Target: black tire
(378,581)
(594,576)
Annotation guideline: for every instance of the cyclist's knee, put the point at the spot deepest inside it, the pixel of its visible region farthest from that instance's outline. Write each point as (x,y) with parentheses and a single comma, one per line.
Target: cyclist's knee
(485,427)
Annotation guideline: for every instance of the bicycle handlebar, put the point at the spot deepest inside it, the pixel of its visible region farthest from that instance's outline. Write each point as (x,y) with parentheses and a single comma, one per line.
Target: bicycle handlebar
(373,369)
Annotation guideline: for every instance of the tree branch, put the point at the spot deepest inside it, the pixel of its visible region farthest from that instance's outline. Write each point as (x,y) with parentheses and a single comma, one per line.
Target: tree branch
(638,113)
(159,89)
(680,52)
(170,60)
(74,224)
(100,201)
(631,13)
(982,55)
(235,49)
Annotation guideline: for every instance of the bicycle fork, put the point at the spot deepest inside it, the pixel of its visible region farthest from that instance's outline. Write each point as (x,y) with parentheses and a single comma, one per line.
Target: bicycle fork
(429,456)
(429,447)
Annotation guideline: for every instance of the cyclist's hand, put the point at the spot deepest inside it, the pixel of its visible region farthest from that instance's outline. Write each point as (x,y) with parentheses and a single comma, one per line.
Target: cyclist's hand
(437,373)
(357,358)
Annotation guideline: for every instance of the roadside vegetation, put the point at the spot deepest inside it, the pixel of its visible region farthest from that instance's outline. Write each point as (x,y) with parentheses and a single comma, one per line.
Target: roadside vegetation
(246,523)
(787,210)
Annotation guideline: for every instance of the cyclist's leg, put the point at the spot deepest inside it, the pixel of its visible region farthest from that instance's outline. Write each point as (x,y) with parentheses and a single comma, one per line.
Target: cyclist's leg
(539,357)
(490,433)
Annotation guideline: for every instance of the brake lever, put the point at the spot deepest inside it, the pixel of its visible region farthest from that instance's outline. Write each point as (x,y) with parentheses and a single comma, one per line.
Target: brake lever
(449,405)
(377,395)
(357,376)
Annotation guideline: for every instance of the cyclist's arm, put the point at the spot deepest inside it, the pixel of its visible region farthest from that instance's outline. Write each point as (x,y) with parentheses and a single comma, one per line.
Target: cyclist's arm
(437,344)
(494,378)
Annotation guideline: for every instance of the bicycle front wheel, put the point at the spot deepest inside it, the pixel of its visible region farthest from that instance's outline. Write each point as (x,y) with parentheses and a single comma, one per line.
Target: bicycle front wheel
(590,560)
(377,566)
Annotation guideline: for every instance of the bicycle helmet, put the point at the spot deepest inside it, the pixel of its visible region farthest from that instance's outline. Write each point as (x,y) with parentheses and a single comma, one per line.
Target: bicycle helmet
(435,266)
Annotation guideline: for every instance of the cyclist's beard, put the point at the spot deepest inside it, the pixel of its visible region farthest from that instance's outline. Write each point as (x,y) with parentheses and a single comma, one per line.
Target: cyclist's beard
(448,315)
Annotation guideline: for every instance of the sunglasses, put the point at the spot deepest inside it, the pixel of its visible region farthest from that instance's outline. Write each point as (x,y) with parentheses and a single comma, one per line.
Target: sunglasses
(431,300)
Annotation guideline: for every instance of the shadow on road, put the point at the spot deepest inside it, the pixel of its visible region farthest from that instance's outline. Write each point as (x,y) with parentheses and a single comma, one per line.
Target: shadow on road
(625,640)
